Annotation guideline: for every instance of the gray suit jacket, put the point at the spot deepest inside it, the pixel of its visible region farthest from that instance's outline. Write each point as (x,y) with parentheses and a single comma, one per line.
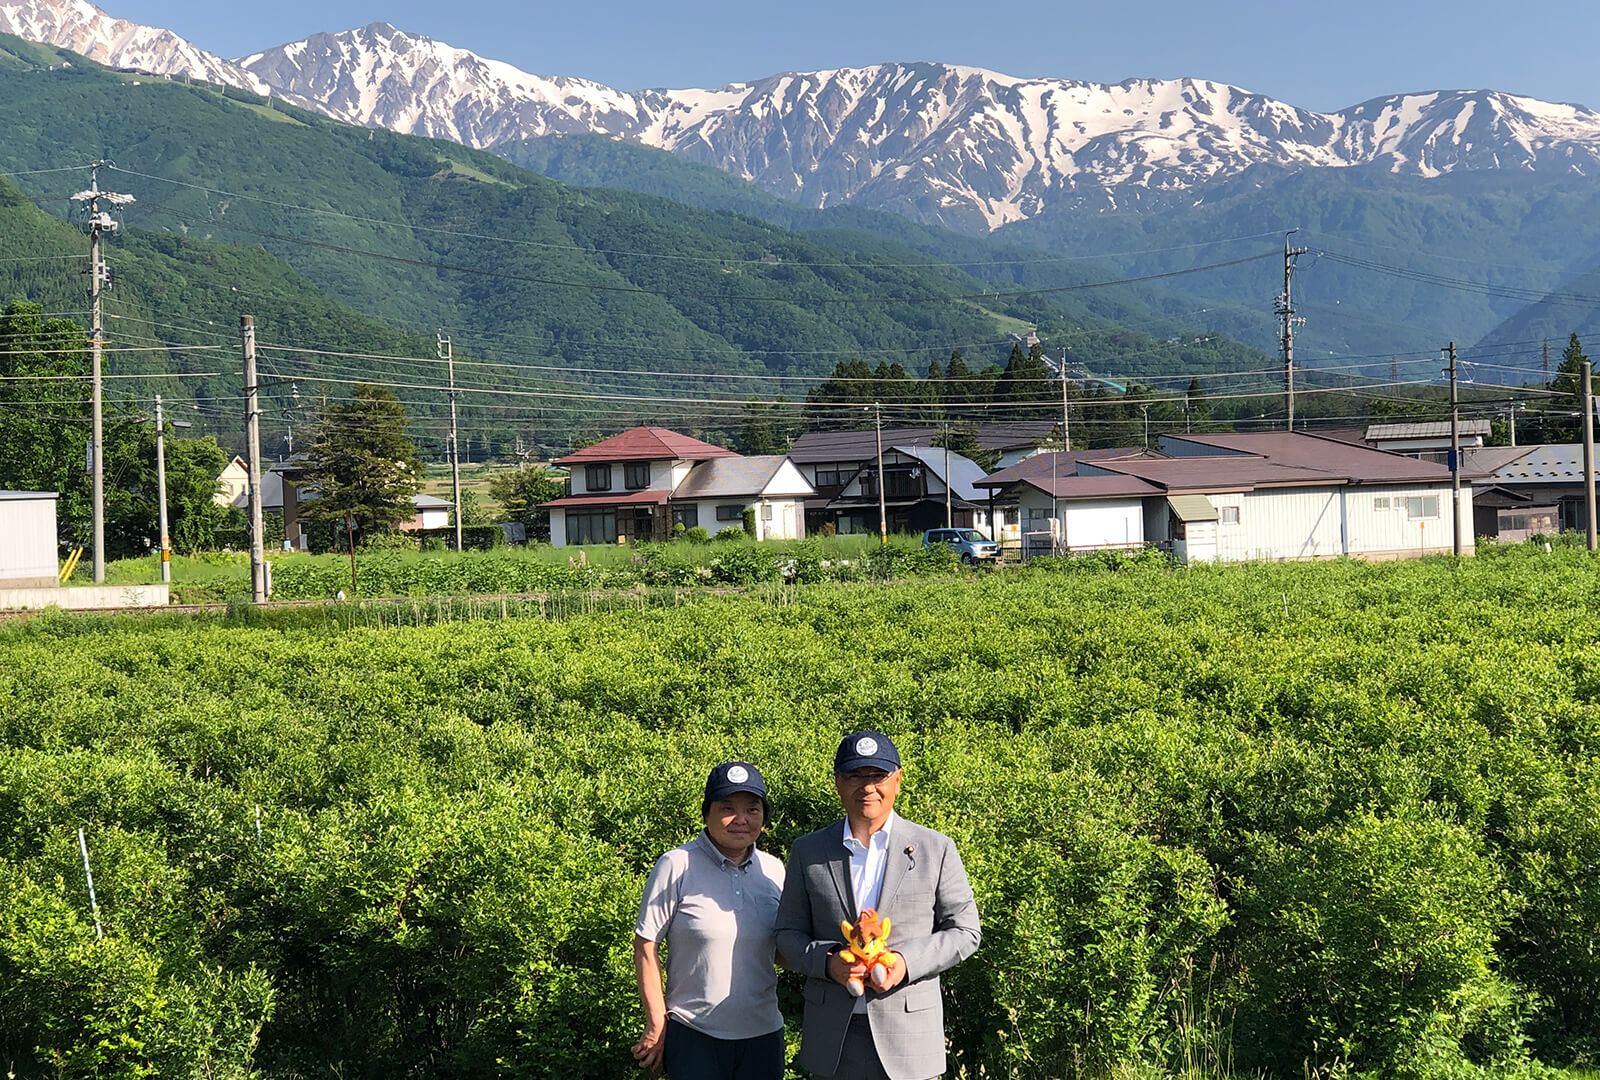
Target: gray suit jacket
(934,926)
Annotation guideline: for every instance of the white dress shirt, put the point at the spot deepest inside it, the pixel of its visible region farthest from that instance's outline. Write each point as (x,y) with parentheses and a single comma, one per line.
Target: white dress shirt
(867,863)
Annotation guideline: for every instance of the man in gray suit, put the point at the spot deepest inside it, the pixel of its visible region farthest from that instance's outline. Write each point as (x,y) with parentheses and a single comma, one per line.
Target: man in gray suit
(911,875)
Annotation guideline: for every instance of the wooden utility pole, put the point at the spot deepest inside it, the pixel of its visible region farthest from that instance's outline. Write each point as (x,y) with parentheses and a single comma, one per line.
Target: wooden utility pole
(252,419)
(1285,311)
(1455,457)
(1588,450)
(161,491)
(447,354)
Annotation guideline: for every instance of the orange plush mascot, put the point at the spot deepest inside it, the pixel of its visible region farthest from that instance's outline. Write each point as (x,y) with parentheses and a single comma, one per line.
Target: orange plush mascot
(866,941)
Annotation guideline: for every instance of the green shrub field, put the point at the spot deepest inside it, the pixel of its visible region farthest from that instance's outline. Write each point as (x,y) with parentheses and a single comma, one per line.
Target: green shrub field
(1288,821)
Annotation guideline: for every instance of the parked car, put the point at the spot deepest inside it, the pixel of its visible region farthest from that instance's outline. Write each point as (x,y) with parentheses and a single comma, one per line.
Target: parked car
(970,544)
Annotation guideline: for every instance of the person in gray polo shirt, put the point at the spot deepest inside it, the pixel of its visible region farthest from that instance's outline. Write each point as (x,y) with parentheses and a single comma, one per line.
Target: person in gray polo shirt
(714,902)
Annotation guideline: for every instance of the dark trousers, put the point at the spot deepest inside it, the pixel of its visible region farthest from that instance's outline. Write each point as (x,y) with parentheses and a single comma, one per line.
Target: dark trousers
(859,1058)
(691,1055)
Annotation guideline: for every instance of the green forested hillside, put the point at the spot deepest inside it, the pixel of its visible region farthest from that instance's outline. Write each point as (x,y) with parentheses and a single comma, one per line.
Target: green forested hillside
(1495,235)
(402,235)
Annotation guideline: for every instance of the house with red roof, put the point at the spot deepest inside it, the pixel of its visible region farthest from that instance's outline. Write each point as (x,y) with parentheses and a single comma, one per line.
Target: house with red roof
(1236,497)
(646,481)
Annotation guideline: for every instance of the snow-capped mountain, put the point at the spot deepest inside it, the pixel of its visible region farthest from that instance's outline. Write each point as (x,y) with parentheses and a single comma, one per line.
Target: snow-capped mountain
(84,28)
(956,145)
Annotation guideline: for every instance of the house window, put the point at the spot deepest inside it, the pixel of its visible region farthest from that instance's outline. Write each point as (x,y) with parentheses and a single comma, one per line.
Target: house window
(903,483)
(766,511)
(597,478)
(835,475)
(1038,518)
(730,512)
(687,515)
(1422,506)
(592,527)
(1381,502)
(1228,515)
(636,475)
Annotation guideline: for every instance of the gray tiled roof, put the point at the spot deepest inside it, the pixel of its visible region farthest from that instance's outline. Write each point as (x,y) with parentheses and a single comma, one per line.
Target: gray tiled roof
(1550,463)
(1424,429)
(732,477)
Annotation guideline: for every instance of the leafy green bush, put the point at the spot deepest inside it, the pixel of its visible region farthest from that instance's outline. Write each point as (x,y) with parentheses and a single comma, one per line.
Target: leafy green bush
(1282,819)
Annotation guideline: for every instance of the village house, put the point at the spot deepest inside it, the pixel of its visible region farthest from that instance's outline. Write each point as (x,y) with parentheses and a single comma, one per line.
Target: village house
(642,483)
(1523,491)
(1236,497)
(832,460)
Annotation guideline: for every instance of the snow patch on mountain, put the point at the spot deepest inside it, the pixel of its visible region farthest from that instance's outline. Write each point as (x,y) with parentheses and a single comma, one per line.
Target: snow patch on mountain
(954,145)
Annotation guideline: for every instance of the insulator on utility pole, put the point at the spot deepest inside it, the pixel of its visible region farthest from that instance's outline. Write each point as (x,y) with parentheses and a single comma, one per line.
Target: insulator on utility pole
(100,221)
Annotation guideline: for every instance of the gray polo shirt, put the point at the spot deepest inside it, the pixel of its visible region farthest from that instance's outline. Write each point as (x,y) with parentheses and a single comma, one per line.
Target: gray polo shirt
(717,918)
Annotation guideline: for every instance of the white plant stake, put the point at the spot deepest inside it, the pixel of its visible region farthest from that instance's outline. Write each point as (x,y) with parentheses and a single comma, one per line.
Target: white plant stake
(94,905)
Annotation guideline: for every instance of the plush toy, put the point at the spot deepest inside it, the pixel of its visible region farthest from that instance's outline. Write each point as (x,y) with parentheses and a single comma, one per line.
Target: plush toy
(867,941)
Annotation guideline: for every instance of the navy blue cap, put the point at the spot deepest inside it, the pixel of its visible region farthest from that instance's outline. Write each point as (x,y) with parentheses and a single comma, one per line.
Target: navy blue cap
(866,750)
(734,776)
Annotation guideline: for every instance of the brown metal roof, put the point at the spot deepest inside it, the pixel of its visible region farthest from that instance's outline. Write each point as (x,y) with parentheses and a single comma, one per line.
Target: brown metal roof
(1356,464)
(608,498)
(1197,474)
(1057,463)
(645,444)
(1091,487)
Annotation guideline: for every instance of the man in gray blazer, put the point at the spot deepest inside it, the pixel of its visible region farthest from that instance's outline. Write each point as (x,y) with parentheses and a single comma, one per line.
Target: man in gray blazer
(911,875)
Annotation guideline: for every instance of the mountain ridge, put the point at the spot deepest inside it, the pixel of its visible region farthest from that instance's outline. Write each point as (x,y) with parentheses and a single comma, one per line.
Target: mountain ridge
(962,147)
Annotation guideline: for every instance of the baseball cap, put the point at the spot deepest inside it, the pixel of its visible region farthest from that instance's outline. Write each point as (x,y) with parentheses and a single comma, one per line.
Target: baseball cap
(734,776)
(866,750)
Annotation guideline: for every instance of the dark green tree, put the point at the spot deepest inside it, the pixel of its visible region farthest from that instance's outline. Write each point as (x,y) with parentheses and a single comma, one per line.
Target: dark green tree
(1562,423)
(521,492)
(767,428)
(44,413)
(362,463)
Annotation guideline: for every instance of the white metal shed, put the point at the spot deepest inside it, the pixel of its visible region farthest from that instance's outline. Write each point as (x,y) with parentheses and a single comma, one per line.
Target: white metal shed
(27,539)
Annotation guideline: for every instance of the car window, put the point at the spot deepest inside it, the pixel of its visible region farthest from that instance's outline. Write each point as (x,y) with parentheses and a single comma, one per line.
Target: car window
(971,535)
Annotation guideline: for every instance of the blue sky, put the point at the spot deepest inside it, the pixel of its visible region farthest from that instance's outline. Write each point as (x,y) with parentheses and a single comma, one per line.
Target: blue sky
(1322,56)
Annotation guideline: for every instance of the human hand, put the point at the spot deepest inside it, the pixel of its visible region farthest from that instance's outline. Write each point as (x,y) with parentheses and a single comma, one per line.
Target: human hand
(893,966)
(649,1051)
(842,971)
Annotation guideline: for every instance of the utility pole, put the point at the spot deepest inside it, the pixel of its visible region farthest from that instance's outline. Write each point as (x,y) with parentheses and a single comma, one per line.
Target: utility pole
(1455,457)
(1285,311)
(948,518)
(252,420)
(1511,428)
(883,512)
(1588,449)
(447,354)
(100,221)
(1545,353)
(1066,419)
(161,488)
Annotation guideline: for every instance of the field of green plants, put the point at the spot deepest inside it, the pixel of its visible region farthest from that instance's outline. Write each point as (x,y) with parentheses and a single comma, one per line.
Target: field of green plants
(212,577)
(1289,821)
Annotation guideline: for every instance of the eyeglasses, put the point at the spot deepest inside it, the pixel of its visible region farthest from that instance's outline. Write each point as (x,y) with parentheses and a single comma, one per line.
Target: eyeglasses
(860,778)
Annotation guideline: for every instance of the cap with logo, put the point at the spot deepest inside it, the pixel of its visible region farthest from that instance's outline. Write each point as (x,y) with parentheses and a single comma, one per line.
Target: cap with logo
(866,750)
(732,777)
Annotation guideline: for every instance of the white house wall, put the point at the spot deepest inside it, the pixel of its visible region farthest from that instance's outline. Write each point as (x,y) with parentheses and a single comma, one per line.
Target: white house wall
(788,480)
(1324,523)
(1393,533)
(1089,523)
(558,527)
(28,540)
